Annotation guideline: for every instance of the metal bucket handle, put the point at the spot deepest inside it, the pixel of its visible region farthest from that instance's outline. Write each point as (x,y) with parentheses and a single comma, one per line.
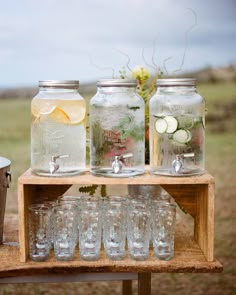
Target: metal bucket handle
(8,175)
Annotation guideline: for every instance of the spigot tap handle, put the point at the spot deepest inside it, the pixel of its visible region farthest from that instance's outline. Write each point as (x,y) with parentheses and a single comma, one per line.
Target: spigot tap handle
(188,155)
(125,156)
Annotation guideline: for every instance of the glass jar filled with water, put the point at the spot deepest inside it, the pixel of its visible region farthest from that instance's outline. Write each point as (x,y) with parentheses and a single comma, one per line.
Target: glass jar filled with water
(58,129)
(177,128)
(117,129)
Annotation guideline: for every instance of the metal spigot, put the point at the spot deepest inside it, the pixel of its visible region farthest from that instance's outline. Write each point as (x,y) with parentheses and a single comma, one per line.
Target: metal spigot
(118,162)
(54,165)
(177,164)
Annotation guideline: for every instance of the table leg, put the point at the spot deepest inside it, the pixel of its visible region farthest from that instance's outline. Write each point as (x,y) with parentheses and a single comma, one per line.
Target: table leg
(127,287)
(144,283)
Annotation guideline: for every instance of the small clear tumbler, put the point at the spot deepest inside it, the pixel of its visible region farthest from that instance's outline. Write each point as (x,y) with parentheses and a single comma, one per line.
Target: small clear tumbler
(115,227)
(39,232)
(139,228)
(163,229)
(65,231)
(90,229)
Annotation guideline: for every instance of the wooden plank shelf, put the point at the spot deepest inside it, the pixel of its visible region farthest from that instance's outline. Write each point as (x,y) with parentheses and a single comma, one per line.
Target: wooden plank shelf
(194,194)
(188,258)
(87,179)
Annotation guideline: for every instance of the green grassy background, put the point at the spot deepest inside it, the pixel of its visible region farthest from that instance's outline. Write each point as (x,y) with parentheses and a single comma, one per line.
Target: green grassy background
(220,162)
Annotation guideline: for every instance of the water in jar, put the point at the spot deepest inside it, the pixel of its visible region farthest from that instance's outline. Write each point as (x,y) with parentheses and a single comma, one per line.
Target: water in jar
(117,130)
(176,144)
(58,136)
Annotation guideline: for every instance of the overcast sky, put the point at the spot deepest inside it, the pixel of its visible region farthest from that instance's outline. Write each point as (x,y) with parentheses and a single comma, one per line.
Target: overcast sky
(84,39)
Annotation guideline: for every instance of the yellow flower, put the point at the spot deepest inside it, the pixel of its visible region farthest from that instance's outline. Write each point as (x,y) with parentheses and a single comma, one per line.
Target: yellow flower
(141,74)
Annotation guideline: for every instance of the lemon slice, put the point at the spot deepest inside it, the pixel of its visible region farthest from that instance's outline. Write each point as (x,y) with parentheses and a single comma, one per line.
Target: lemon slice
(60,116)
(75,110)
(39,107)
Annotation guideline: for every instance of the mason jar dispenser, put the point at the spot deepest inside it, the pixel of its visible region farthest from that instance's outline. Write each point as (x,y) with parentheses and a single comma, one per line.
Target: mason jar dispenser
(177,128)
(117,129)
(58,129)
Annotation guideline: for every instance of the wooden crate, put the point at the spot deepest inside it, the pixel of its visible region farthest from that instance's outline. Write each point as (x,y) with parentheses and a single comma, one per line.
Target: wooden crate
(193,253)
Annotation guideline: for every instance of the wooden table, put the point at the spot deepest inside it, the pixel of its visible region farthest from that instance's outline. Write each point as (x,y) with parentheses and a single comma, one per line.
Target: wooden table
(194,252)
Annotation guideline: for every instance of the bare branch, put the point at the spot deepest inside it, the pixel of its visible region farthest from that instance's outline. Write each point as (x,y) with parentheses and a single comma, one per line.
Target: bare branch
(154,66)
(128,59)
(145,61)
(164,64)
(153,55)
(101,68)
(186,39)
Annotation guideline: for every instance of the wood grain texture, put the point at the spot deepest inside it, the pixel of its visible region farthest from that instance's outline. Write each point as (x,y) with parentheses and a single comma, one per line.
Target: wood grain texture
(204,220)
(144,284)
(127,287)
(188,258)
(87,178)
(184,195)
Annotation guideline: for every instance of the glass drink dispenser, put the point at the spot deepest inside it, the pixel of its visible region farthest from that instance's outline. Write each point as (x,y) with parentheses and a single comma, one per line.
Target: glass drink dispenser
(58,129)
(117,129)
(177,128)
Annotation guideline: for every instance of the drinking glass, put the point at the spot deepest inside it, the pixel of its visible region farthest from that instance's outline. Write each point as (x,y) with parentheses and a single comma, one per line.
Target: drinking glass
(139,230)
(65,230)
(164,196)
(90,227)
(39,232)
(50,204)
(74,200)
(163,229)
(68,198)
(114,227)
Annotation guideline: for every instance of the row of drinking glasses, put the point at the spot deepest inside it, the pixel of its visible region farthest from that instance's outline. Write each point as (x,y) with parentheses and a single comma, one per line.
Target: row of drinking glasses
(115,220)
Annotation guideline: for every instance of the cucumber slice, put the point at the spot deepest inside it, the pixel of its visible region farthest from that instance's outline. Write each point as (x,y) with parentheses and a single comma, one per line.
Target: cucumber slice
(172,124)
(199,121)
(161,125)
(185,122)
(182,136)
(189,135)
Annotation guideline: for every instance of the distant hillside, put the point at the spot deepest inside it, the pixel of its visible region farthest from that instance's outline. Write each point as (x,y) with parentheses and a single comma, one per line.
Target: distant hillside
(30,92)
(207,75)
(214,75)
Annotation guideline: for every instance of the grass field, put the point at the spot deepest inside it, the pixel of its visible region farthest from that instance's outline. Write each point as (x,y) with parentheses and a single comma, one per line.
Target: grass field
(220,162)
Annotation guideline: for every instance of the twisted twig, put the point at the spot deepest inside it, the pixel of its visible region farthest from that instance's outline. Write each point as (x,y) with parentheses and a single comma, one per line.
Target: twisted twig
(128,59)
(164,64)
(186,39)
(102,68)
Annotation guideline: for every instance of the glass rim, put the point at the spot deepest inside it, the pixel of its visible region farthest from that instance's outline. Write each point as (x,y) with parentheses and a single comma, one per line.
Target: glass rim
(49,203)
(140,199)
(64,205)
(160,204)
(115,199)
(91,201)
(38,207)
(68,198)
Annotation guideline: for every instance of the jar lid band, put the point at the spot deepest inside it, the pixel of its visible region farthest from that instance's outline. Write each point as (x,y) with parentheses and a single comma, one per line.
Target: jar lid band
(117,83)
(177,82)
(59,83)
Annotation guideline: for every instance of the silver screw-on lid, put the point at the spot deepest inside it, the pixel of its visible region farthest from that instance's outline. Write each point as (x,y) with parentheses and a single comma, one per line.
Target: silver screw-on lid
(177,82)
(59,83)
(117,83)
